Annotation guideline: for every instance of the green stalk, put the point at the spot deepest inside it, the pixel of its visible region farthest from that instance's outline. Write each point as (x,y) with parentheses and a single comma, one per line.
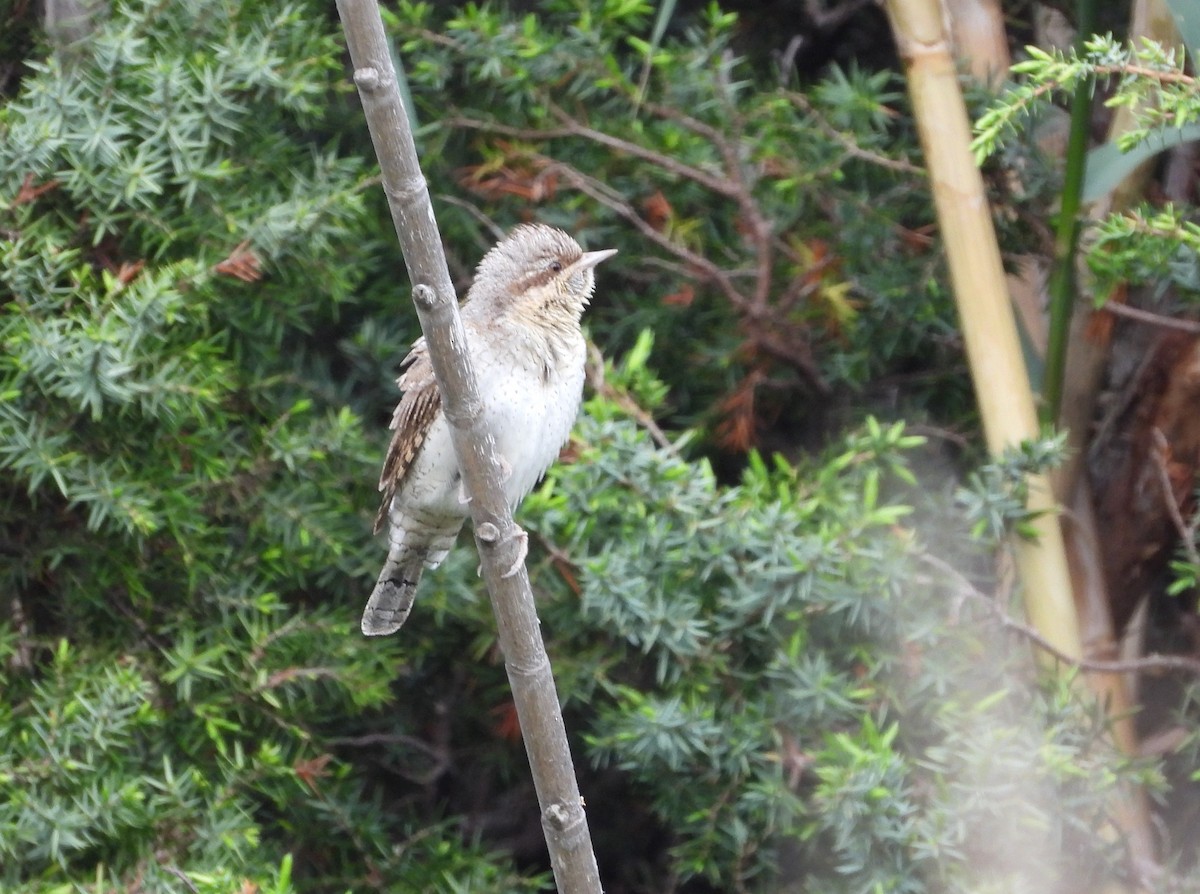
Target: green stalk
(1066,237)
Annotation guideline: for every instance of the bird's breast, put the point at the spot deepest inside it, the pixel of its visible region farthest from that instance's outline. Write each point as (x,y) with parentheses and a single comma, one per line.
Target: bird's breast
(531,396)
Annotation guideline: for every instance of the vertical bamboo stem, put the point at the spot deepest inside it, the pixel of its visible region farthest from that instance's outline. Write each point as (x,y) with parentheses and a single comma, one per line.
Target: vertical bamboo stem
(989,329)
(998,370)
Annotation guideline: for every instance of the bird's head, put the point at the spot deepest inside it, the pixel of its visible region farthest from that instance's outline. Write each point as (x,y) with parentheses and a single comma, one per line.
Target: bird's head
(538,271)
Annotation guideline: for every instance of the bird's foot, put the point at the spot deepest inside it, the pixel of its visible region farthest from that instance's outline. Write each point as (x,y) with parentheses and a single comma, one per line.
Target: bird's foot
(522,539)
(522,551)
(506,471)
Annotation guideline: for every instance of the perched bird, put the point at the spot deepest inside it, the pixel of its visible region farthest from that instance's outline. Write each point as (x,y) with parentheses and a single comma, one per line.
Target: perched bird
(521,319)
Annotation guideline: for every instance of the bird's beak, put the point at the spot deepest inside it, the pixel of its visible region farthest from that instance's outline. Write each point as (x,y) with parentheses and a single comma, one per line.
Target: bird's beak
(590,259)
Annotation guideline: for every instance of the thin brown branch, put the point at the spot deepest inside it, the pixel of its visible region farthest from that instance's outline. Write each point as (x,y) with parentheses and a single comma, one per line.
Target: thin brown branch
(612,200)
(438,39)
(695,125)
(734,187)
(757,228)
(21,657)
(1163,77)
(182,876)
(1141,71)
(1192,327)
(711,181)
(482,219)
(1146,664)
(847,142)
(766,329)
(1187,534)
(766,326)
(572,128)
(624,400)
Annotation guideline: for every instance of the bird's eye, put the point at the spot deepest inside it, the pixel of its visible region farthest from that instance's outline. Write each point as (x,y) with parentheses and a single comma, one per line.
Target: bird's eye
(556,266)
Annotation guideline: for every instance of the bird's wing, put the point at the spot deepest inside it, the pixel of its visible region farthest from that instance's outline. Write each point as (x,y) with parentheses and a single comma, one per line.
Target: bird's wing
(418,406)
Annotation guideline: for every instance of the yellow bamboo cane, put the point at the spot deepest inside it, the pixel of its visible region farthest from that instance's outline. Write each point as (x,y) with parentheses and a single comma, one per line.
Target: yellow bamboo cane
(989,329)
(997,366)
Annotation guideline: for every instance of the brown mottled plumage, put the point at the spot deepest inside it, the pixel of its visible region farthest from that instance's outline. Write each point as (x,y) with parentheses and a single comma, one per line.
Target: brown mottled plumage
(521,320)
(410,423)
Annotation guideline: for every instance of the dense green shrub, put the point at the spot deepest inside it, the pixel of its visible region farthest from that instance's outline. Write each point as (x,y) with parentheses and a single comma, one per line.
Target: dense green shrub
(185,480)
(774,230)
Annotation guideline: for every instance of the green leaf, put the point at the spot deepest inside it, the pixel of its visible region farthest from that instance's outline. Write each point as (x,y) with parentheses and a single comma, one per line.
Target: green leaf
(1187,19)
(1107,165)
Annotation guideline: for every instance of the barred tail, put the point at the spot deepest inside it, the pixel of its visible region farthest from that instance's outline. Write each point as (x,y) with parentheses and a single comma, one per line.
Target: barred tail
(414,547)
(392,598)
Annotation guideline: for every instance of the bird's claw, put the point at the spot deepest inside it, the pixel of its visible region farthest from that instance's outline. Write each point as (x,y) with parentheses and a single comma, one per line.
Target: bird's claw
(522,551)
(506,471)
(522,539)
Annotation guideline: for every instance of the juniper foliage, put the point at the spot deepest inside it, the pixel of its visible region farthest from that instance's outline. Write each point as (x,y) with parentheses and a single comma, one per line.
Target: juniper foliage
(183,476)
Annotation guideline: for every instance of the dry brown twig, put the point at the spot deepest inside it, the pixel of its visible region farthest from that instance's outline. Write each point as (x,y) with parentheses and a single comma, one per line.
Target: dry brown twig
(572,128)
(846,141)
(1137,314)
(624,400)
(1186,532)
(964,589)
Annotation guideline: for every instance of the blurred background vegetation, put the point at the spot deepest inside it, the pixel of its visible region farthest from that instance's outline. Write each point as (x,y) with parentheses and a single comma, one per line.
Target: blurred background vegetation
(770,567)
